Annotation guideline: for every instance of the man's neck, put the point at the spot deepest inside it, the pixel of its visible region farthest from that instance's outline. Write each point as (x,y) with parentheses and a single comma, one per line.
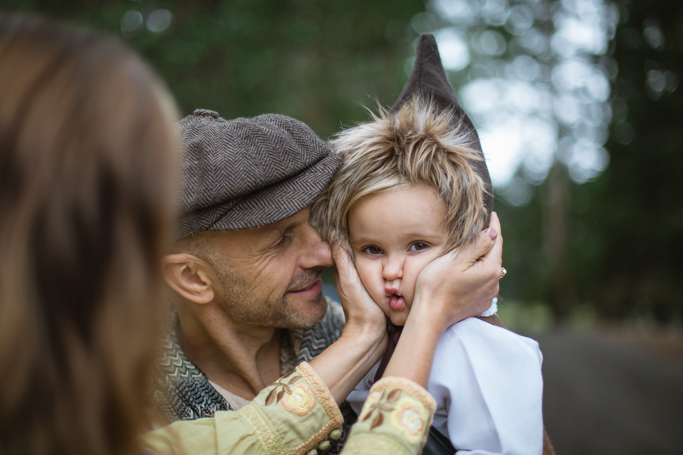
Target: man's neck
(241,358)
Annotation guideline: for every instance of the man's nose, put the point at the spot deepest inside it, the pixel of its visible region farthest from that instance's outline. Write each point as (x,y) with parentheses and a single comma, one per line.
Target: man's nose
(392,268)
(317,252)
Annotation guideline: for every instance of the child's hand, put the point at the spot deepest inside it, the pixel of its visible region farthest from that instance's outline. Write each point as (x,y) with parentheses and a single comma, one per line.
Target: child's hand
(362,313)
(462,283)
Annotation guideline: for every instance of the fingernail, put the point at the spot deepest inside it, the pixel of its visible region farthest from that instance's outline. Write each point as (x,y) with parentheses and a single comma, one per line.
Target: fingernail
(491,233)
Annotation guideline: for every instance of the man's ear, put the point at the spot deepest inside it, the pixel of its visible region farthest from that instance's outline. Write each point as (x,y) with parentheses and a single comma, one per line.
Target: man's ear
(189,276)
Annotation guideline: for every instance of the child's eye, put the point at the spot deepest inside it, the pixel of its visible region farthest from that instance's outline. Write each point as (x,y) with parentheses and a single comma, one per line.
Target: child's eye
(417,246)
(372,250)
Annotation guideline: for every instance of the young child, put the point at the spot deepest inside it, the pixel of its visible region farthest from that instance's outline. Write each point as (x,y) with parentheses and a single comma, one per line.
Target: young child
(413,186)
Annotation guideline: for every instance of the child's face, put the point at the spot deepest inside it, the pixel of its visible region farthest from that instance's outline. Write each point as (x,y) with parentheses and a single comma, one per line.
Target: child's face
(394,235)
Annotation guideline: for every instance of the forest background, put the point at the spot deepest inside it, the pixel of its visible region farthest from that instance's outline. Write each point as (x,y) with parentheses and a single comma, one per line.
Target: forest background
(604,246)
(580,113)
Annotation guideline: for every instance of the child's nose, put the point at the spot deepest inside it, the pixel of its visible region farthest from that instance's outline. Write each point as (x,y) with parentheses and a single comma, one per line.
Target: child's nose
(393,268)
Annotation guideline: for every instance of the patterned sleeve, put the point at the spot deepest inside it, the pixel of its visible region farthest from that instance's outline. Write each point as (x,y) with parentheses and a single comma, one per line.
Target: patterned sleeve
(295,415)
(395,419)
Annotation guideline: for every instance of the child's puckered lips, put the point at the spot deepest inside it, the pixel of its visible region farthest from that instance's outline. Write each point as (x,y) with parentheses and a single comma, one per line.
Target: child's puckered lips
(395,300)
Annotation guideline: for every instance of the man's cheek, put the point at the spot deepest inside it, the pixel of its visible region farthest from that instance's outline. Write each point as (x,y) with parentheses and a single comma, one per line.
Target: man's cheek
(270,286)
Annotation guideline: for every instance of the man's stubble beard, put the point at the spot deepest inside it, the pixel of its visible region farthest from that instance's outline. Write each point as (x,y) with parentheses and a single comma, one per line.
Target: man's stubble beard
(242,302)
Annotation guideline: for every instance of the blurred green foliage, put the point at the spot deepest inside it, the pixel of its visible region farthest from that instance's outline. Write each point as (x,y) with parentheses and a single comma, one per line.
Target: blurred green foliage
(319,60)
(624,231)
(312,60)
(630,259)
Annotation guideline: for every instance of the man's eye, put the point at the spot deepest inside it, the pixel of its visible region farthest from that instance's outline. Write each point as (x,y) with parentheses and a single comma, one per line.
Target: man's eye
(372,250)
(284,241)
(417,246)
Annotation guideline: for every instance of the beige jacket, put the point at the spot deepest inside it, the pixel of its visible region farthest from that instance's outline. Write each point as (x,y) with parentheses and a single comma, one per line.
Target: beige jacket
(297,415)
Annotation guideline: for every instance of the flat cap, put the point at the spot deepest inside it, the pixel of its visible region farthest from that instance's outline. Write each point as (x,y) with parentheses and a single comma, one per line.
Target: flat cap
(247,172)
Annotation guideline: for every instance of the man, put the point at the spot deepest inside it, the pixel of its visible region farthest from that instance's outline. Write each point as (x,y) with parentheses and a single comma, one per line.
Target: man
(246,270)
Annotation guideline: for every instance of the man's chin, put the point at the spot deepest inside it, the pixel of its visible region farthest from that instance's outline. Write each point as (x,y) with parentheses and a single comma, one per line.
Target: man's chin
(304,314)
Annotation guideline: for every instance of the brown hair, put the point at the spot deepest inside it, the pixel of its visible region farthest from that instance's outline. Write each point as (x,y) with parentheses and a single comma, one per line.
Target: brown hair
(416,144)
(86,152)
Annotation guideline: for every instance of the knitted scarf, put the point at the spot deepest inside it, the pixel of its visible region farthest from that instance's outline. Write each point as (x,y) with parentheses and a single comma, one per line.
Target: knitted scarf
(182,392)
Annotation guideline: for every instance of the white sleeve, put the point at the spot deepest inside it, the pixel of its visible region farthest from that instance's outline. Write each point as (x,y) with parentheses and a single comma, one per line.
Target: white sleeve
(487,380)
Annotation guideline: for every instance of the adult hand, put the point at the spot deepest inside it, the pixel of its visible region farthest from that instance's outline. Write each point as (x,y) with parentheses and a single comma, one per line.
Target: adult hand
(364,338)
(362,313)
(462,283)
(450,289)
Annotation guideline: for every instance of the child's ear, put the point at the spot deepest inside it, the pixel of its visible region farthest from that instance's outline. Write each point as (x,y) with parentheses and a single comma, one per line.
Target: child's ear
(192,278)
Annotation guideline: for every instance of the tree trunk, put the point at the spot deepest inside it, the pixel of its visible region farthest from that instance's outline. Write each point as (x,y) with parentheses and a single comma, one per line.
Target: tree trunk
(560,291)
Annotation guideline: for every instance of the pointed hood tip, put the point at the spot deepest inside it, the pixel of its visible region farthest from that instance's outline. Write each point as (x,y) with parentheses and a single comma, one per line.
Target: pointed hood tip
(429,79)
(427,41)
(427,47)
(428,76)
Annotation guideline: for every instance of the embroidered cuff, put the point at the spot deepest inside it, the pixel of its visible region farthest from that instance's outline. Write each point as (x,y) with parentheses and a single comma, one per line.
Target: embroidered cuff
(409,387)
(299,400)
(396,410)
(327,400)
(323,393)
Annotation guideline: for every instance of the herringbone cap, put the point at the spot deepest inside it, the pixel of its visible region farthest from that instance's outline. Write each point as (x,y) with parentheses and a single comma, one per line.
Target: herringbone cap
(248,172)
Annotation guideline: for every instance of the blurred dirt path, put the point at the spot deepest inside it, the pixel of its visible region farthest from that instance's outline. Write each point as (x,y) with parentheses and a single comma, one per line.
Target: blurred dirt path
(612,394)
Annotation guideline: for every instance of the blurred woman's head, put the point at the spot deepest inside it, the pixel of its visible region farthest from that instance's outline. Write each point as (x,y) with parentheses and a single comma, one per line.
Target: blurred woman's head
(86,153)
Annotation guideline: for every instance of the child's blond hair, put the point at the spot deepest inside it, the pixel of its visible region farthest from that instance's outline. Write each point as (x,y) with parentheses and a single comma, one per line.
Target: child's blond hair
(415,144)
